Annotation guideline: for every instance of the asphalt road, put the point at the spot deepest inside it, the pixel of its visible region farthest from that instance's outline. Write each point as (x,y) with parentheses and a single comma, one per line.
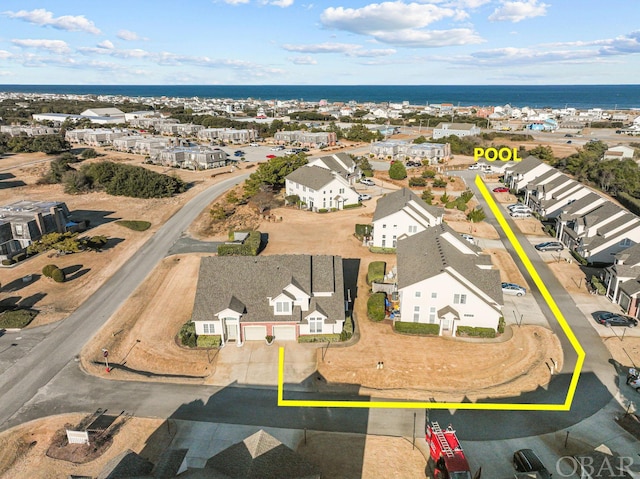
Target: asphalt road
(49,381)
(26,376)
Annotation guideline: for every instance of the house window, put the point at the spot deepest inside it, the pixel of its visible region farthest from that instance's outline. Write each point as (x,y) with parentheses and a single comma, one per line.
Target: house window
(432,314)
(416,314)
(418,293)
(434,295)
(19,230)
(315,325)
(624,242)
(394,241)
(459,299)
(341,191)
(304,188)
(208,328)
(384,226)
(413,229)
(395,226)
(283,307)
(468,315)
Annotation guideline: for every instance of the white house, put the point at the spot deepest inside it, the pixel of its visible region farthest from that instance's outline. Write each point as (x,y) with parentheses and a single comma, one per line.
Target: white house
(457,129)
(320,188)
(341,163)
(548,194)
(444,280)
(242,298)
(623,280)
(402,213)
(619,152)
(524,172)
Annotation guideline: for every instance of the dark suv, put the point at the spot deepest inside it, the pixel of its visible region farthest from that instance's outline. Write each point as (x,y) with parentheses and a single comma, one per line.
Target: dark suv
(525,460)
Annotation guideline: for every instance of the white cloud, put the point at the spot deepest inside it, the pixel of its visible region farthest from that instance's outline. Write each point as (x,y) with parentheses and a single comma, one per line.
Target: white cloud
(518,11)
(129,36)
(386,16)
(372,53)
(322,48)
(4,55)
(54,46)
(106,44)
(429,38)
(6,74)
(304,60)
(281,3)
(43,17)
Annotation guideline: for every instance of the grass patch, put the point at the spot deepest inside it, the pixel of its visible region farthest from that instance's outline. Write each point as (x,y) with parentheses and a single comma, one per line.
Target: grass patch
(17,318)
(376,271)
(375,306)
(476,332)
(318,338)
(134,225)
(209,341)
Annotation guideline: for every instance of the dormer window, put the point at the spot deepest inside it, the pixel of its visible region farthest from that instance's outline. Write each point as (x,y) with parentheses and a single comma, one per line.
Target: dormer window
(283,307)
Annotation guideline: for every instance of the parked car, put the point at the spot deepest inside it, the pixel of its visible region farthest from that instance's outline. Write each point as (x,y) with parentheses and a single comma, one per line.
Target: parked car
(615,319)
(569,141)
(364,197)
(277,148)
(238,153)
(501,189)
(254,144)
(468,238)
(475,166)
(413,164)
(520,214)
(549,246)
(513,289)
(519,207)
(367,181)
(525,460)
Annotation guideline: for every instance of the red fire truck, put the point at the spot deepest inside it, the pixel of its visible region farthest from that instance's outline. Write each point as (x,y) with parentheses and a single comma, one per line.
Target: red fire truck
(447,453)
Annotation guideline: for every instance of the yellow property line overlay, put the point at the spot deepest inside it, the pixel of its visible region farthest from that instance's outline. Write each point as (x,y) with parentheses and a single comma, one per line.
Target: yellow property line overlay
(399,404)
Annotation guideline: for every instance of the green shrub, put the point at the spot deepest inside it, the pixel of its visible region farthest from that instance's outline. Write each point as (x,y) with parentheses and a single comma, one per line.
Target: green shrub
(501,325)
(97,242)
(397,171)
(323,210)
(376,271)
(439,183)
(48,269)
(333,210)
(633,204)
(466,195)
(378,249)
(352,205)
(598,285)
(7,262)
(208,341)
(550,230)
(318,338)
(134,224)
(363,230)
(17,318)
(292,199)
(427,196)
(476,332)
(417,181)
(367,173)
(58,275)
(347,329)
(416,328)
(375,307)
(19,257)
(250,247)
(428,174)
(578,258)
(187,334)
(476,215)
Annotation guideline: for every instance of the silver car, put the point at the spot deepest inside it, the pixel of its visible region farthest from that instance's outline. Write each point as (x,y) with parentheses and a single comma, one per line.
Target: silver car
(513,289)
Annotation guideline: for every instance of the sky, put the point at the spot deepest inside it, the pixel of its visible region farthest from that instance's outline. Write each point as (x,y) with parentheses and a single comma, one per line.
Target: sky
(334,42)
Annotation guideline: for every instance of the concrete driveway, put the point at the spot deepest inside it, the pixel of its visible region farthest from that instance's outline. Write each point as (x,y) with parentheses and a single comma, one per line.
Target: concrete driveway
(255,364)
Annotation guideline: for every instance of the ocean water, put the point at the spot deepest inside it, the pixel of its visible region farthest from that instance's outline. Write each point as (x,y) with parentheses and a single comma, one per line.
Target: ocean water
(621,97)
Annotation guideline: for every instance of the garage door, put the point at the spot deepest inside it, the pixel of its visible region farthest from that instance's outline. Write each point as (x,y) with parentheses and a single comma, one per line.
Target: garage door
(284,333)
(255,333)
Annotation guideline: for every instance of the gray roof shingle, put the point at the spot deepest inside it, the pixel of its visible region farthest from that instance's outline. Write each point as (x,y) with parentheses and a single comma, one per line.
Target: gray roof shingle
(427,254)
(314,177)
(245,283)
(394,202)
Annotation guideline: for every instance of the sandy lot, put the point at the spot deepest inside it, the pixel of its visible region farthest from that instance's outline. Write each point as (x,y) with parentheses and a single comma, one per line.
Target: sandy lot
(22,455)
(86,271)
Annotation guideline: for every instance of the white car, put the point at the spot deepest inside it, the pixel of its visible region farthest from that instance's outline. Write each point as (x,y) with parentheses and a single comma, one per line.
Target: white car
(364,197)
(521,208)
(468,238)
(475,166)
(367,181)
(520,214)
(513,289)
(254,144)
(277,148)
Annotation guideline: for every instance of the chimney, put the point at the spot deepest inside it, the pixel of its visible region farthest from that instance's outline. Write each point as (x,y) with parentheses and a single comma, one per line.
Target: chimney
(57,214)
(40,223)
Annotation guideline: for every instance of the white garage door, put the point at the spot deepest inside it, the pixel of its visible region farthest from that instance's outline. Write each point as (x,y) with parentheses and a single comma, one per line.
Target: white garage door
(284,333)
(254,333)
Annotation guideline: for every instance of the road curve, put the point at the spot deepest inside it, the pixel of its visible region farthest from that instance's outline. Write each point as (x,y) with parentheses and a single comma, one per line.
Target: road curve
(20,382)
